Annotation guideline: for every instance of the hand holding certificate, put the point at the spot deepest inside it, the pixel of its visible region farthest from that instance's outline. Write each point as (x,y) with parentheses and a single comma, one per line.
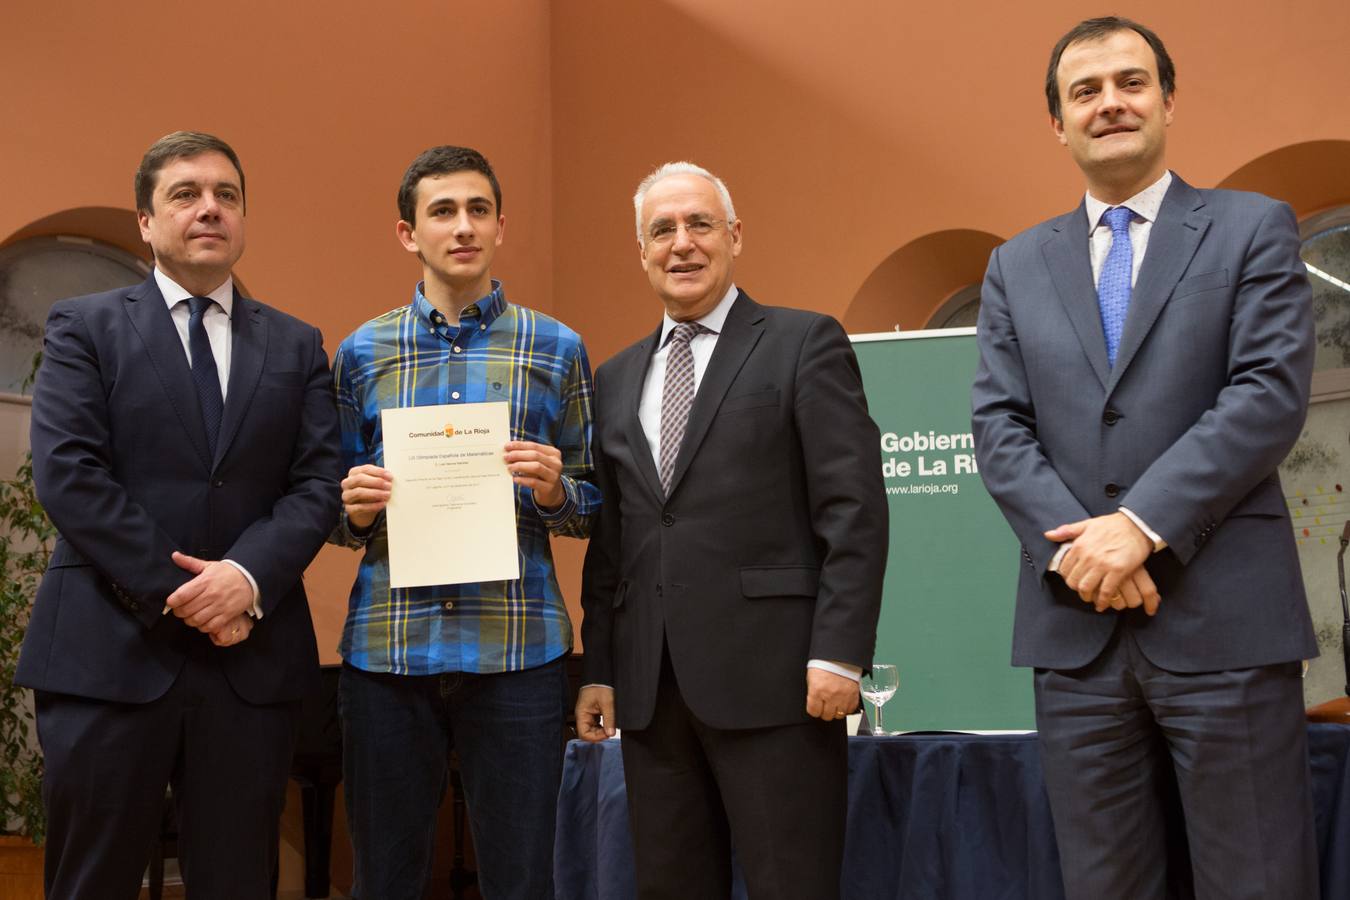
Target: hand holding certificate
(451,516)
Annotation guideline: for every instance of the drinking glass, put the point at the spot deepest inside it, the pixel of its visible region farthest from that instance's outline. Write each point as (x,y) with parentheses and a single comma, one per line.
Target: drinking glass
(878,687)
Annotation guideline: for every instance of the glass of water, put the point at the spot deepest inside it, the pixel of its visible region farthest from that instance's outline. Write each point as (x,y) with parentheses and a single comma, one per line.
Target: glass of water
(879,687)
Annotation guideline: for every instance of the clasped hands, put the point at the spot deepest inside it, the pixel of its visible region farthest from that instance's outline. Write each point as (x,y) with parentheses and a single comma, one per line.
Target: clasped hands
(215,601)
(1105,563)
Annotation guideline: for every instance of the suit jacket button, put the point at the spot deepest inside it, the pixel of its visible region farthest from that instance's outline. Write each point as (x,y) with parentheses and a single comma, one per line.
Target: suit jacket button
(1110,417)
(217,483)
(1112,490)
(667,519)
(133,606)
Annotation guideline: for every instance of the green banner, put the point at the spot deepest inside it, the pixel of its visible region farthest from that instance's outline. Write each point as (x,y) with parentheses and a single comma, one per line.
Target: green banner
(946,617)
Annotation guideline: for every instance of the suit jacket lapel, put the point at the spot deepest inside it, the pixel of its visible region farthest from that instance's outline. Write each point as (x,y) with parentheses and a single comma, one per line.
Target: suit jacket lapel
(741,331)
(1066,256)
(248,349)
(1172,241)
(634,376)
(144,306)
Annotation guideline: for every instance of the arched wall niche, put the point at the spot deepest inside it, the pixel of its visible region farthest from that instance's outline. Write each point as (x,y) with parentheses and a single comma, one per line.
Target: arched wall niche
(914,282)
(22,312)
(1310,177)
(102,223)
(107,224)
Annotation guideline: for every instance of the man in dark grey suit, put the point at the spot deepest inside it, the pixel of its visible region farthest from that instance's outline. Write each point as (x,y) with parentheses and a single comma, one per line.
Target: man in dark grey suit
(733,581)
(1144,367)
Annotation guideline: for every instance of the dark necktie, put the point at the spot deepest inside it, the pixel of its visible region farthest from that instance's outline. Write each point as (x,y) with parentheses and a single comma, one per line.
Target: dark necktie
(204,374)
(677,396)
(1113,285)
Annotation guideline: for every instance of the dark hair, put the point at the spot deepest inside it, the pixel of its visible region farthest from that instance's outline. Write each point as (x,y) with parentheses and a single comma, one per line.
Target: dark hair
(1096,30)
(179,145)
(442,161)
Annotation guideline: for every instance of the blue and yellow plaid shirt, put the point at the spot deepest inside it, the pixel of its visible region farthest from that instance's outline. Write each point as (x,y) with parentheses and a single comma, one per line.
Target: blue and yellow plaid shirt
(411,357)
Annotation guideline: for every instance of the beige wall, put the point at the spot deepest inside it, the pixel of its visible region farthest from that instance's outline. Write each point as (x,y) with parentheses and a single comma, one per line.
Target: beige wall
(326,105)
(875,150)
(849,131)
(13,433)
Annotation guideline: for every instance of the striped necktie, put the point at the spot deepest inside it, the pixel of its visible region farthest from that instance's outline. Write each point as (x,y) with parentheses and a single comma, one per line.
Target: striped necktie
(677,396)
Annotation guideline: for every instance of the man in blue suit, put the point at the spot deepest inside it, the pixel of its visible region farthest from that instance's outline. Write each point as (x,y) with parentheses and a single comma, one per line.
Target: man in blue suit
(185,445)
(1144,367)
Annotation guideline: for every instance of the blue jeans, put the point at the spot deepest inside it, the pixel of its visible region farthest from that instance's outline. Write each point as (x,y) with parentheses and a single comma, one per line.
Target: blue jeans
(397,733)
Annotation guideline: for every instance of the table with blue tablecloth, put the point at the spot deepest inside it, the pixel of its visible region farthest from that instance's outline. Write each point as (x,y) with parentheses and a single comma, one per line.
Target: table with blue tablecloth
(952,816)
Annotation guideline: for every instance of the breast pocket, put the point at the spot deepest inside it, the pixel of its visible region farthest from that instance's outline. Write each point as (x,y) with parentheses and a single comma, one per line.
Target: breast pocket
(1193,287)
(527,423)
(759,399)
(291,380)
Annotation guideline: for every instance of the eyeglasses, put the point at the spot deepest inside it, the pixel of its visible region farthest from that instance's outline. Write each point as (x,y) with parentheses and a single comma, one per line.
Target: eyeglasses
(664,232)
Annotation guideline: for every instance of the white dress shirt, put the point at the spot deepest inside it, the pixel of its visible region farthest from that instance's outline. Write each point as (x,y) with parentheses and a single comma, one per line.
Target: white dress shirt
(701,346)
(216,321)
(1145,206)
(649,406)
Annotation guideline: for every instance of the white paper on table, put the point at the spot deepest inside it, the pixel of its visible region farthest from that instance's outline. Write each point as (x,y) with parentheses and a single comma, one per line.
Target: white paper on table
(451,516)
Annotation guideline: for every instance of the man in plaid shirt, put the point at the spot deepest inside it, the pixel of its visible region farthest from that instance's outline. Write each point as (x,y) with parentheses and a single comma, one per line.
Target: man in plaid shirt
(477,667)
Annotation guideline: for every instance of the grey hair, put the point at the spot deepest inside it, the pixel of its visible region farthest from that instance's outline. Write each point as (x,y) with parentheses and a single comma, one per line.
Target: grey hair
(679,168)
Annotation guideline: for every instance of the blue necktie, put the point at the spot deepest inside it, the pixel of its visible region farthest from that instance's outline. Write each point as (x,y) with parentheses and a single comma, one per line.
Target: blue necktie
(1113,285)
(204,374)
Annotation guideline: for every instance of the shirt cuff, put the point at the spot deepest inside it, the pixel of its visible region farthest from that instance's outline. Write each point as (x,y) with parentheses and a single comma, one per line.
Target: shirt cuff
(555,518)
(598,684)
(844,669)
(1059,556)
(348,538)
(256,612)
(1158,542)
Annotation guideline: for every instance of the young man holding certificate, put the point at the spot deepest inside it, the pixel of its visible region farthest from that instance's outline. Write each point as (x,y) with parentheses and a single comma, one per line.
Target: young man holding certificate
(474,665)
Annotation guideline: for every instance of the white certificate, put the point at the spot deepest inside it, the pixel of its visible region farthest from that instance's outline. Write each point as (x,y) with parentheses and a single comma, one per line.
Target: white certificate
(452,508)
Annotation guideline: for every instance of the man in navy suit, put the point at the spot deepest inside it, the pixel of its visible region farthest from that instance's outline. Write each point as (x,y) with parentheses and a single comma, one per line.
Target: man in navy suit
(185,445)
(1145,363)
